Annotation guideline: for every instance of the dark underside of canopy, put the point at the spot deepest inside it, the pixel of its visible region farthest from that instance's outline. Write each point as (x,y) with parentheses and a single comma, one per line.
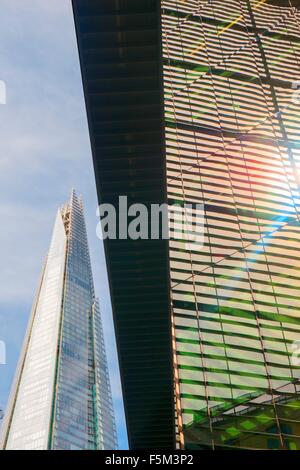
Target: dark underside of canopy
(121,60)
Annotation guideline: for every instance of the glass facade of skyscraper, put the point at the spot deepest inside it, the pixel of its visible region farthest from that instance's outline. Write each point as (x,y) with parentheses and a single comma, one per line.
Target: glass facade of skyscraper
(232,133)
(61,398)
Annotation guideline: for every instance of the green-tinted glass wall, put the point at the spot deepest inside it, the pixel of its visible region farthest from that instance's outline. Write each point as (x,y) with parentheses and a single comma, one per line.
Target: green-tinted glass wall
(232,131)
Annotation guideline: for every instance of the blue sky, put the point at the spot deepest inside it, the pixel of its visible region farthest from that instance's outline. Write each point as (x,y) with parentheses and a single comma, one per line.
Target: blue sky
(45,151)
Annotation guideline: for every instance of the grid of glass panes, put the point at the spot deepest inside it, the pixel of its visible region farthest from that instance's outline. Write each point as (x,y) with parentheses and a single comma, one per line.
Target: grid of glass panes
(61,398)
(32,403)
(106,428)
(232,132)
(78,421)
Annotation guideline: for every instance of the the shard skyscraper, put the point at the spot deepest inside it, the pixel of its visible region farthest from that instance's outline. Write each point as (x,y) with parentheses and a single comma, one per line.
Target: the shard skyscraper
(61,398)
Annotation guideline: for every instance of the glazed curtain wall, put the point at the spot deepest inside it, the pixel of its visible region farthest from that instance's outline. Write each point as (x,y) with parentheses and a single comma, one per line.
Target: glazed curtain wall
(62,396)
(232,131)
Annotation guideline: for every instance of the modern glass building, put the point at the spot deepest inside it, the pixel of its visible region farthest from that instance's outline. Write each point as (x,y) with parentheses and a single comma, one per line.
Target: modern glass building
(61,398)
(196,102)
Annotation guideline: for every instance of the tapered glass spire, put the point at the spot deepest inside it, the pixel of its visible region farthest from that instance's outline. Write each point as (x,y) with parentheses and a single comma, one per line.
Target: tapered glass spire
(61,398)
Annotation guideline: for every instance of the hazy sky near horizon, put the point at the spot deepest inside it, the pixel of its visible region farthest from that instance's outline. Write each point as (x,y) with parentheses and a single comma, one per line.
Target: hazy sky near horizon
(45,151)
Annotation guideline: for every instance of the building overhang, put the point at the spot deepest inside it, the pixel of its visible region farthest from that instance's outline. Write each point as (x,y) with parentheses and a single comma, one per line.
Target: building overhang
(121,60)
